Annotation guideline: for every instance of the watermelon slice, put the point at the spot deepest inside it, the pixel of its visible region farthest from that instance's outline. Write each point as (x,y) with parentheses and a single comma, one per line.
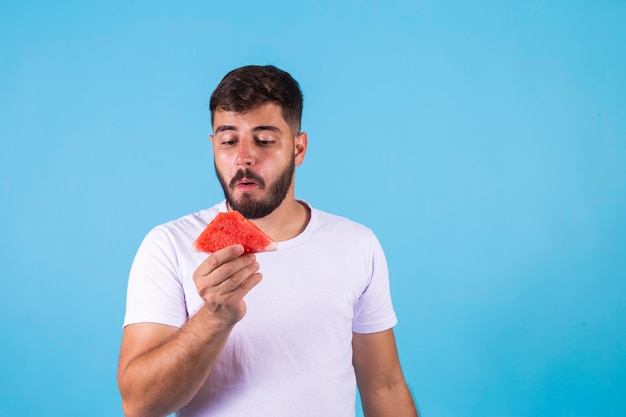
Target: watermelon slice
(231,228)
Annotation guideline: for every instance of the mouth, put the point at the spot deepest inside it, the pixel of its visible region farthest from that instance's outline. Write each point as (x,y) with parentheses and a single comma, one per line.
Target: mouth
(246,185)
(246,181)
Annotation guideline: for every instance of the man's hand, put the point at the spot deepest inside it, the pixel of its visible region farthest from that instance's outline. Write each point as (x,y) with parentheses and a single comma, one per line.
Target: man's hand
(222,280)
(161,367)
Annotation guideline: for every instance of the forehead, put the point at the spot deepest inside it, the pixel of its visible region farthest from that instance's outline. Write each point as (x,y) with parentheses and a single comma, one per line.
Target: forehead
(269,114)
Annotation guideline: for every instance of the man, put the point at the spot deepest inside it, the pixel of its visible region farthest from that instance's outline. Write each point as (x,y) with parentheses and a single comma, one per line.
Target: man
(284,333)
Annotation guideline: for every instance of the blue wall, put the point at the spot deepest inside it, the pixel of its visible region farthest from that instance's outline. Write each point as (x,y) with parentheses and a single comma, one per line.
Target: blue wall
(484,142)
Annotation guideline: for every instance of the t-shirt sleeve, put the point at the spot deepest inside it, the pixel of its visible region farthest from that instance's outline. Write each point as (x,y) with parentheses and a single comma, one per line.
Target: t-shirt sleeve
(373,311)
(155,292)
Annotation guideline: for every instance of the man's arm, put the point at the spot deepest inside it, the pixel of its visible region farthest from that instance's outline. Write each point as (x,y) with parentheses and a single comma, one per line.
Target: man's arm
(161,368)
(383,389)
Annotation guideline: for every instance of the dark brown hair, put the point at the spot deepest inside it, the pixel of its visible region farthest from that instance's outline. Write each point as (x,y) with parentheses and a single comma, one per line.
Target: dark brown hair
(243,89)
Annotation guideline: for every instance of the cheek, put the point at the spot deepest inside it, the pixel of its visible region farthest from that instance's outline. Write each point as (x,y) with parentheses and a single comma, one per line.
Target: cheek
(224,163)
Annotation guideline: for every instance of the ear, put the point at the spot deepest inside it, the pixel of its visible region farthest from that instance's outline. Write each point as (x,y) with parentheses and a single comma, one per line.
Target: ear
(300,144)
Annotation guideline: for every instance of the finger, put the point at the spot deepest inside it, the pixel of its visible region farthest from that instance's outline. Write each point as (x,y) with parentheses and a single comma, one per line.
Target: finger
(235,273)
(239,268)
(227,270)
(218,258)
(231,306)
(249,283)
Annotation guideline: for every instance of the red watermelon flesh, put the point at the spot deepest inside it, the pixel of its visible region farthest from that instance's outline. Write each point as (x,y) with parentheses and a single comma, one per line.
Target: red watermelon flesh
(232,228)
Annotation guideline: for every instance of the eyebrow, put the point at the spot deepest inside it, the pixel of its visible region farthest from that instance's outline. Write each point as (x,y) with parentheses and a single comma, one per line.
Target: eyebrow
(261,128)
(267,127)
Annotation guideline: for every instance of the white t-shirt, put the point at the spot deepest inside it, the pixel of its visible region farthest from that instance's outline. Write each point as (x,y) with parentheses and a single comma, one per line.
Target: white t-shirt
(291,354)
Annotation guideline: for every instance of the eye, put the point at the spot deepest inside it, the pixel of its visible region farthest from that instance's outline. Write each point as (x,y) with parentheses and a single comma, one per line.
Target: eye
(264,141)
(228,141)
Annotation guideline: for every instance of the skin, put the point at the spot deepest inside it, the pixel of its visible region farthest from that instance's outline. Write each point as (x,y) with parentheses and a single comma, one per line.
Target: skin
(159,367)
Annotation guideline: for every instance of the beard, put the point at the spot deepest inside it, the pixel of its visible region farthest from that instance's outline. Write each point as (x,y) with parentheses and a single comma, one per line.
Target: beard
(252,208)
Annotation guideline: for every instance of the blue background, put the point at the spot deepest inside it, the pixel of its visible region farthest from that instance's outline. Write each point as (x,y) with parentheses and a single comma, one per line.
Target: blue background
(484,142)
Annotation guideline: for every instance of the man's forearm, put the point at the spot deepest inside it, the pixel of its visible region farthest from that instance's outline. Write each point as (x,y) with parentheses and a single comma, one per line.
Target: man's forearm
(164,379)
(395,400)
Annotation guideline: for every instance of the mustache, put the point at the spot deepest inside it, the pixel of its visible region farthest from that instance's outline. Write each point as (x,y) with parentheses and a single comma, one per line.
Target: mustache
(247,173)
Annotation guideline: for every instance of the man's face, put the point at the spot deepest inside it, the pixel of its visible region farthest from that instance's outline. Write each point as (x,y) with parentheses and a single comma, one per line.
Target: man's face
(255,158)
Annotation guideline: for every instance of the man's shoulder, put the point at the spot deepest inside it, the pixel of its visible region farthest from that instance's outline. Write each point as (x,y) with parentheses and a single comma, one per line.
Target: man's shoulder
(338,232)
(334,221)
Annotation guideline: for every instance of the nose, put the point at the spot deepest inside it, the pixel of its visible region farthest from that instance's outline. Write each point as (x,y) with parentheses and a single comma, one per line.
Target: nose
(245,153)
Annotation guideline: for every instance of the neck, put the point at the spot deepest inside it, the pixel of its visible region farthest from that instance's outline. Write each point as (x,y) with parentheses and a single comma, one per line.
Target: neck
(287,221)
